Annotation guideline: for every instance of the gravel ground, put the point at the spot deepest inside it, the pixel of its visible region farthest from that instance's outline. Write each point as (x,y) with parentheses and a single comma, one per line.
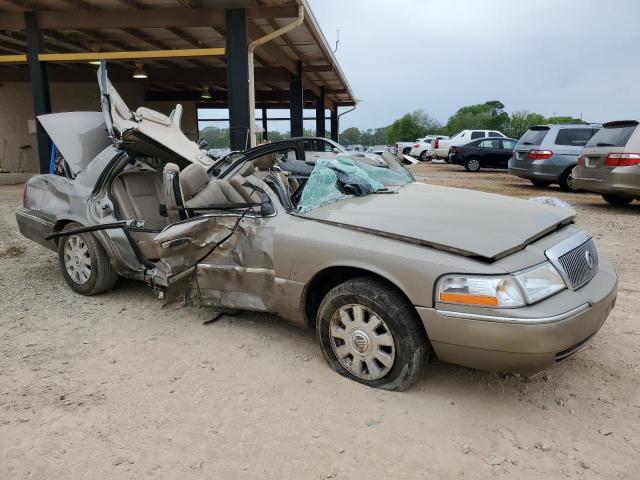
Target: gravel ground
(114,386)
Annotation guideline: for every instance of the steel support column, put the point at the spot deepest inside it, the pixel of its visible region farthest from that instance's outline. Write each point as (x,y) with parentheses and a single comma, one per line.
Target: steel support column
(296,102)
(265,125)
(39,86)
(237,75)
(320,117)
(334,123)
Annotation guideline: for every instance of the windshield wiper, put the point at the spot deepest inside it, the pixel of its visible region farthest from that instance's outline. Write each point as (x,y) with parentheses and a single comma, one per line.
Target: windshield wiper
(604,144)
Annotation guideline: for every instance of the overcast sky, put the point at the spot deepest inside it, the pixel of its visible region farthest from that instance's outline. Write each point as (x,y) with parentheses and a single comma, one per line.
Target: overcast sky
(571,57)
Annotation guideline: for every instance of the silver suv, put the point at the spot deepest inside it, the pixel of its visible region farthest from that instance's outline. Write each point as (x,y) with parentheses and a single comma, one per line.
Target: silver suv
(546,154)
(610,163)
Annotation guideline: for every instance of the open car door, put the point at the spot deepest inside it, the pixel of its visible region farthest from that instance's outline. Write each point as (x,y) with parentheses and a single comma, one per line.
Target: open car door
(145,131)
(221,258)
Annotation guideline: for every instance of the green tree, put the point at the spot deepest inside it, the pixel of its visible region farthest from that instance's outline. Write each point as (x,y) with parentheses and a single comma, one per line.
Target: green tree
(411,126)
(483,116)
(520,121)
(350,136)
(564,119)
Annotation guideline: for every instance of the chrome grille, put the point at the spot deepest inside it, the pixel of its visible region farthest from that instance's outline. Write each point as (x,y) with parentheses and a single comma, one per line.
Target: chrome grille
(580,264)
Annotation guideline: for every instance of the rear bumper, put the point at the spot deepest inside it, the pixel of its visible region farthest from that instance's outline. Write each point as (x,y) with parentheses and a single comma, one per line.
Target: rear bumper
(35,227)
(621,183)
(545,170)
(524,344)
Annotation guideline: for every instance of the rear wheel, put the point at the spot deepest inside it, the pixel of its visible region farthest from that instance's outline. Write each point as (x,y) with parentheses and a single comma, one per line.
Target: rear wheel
(472,164)
(566,181)
(84,263)
(615,199)
(540,183)
(369,333)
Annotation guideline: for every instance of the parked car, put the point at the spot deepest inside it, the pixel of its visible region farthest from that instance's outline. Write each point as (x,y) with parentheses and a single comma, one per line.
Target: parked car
(483,153)
(440,148)
(422,148)
(383,283)
(318,147)
(404,148)
(546,154)
(610,163)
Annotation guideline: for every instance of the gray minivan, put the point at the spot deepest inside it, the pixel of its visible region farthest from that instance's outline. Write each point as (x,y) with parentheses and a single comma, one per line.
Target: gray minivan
(610,163)
(546,154)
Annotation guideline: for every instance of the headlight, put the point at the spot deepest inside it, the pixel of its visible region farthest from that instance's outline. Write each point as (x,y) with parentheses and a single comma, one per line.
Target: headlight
(540,282)
(505,291)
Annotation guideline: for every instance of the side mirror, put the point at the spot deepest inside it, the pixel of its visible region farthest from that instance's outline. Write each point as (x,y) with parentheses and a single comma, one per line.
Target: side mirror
(335,150)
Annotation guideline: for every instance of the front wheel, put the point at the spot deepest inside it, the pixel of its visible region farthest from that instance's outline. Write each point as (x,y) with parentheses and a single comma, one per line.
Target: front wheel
(614,199)
(472,164)
(84,263)
(369,333)
(423,156)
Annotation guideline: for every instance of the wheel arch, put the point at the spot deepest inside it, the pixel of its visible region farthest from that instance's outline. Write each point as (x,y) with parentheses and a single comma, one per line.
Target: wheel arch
(328,278)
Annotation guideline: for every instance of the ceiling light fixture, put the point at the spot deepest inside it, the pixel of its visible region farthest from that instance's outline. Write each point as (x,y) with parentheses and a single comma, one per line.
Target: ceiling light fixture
(139,71)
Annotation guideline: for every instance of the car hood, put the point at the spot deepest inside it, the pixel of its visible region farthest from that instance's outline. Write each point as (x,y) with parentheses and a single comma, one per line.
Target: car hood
(462,221)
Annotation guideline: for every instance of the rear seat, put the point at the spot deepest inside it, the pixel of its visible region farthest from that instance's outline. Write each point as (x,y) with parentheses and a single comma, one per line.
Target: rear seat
(138,195)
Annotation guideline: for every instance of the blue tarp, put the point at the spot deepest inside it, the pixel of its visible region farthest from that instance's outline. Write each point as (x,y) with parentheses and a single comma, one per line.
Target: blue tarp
(336,179)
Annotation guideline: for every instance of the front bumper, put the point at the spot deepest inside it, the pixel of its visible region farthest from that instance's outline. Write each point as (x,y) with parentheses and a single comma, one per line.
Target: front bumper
(526,341)
(545,170)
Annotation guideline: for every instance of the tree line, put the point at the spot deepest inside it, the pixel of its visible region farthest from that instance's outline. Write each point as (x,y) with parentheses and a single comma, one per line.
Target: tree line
(490,115)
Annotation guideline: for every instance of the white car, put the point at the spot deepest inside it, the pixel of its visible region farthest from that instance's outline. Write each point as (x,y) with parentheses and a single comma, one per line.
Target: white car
(422,148)
(440,148)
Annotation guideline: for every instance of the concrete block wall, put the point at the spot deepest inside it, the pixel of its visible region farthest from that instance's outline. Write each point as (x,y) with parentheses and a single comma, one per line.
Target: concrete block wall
(16,109)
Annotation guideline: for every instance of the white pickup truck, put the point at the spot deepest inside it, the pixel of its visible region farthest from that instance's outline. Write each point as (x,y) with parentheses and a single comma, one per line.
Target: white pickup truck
(440,148)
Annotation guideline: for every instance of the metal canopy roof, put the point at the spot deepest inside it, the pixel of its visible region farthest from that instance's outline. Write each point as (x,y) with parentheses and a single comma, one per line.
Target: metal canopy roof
(119,25)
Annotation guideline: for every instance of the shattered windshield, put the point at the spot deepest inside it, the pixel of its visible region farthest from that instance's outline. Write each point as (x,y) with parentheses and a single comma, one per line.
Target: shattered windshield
(333,180)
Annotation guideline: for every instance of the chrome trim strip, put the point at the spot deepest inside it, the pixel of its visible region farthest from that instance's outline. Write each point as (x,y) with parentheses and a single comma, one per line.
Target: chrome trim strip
(520,321)
(208,266)
(25,213)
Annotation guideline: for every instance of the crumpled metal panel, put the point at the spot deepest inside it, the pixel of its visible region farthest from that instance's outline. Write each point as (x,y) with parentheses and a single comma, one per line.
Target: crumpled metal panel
(238,273)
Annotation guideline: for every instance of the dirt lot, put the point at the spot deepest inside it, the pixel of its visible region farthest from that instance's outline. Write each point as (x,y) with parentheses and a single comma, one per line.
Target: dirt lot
(115,387)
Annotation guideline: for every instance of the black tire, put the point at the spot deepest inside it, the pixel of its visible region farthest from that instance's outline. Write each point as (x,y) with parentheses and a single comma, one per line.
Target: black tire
(566,181)
(618,200)
(472,164)
(406,150)
(412,348)
(101,278)
(423,156)
(540,183)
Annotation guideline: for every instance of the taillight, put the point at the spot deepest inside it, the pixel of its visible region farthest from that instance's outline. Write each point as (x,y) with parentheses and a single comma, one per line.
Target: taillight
(24,196)
(539,154)
(395,145)
(622,159)
(436,143)
(581,160)
(417,145)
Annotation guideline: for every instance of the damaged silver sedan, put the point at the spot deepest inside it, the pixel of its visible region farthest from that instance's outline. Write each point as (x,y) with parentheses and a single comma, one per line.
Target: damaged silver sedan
(388,271)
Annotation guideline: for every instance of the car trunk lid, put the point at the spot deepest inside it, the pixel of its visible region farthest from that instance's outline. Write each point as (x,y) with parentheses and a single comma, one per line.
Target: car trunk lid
(448,219)
(78,136)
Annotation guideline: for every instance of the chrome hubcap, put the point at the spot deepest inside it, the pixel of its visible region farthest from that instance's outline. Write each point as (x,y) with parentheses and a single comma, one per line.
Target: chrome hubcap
(77,260)
(474,165)
(362,342)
